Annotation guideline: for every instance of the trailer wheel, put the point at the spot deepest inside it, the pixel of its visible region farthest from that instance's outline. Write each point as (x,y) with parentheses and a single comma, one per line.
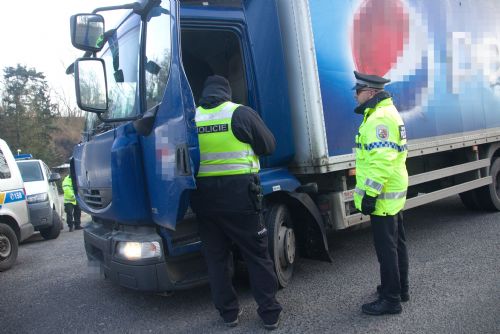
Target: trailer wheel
(489,196)
(282,244)
(8,247)
(53,231)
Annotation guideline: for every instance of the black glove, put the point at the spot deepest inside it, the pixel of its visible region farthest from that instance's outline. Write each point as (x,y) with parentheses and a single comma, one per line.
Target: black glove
(368,204)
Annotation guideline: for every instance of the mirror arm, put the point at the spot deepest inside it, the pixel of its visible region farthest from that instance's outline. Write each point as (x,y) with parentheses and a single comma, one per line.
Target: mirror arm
(144,125)
(71,67)
(116,120)
(135,6)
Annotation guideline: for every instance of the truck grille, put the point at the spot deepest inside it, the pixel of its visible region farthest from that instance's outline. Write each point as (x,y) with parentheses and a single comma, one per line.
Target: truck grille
(96,198)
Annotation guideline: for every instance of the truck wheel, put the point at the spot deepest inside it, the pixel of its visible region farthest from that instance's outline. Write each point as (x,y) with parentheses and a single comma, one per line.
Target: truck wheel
(281,238)
(8,247)
(489,196)
(53,231)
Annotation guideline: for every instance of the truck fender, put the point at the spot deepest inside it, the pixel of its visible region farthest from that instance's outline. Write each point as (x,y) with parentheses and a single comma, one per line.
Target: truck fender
(316,242)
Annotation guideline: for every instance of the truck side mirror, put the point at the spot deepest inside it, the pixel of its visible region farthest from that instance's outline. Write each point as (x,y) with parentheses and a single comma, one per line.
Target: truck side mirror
(91,85)
(87,32)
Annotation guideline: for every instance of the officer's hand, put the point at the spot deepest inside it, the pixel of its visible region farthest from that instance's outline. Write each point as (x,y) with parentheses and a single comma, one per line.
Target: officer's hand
(368,204)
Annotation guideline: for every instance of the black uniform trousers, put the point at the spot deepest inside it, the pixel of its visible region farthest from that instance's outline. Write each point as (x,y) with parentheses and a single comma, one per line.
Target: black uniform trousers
(390,245)
(73,214)
(247,231)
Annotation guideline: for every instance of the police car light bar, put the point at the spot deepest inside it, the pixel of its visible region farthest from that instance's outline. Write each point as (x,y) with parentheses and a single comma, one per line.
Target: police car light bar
(25,156)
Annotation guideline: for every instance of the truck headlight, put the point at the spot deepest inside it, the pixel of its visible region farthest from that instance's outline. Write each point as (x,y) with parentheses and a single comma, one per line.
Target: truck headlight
(138,250)
(37,198)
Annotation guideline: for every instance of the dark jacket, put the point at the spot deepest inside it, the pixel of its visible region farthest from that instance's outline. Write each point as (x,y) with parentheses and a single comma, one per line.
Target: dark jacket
(233,193)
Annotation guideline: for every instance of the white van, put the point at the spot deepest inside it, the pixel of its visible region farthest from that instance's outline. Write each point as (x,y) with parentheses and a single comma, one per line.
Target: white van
(14,217)
(45,206)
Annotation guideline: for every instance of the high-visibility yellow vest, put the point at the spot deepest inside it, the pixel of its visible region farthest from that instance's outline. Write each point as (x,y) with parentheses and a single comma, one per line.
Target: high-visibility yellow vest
(221,153)
(381,159)
(69,195)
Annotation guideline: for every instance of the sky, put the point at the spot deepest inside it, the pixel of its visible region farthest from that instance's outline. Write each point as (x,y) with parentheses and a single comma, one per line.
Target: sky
(36,33)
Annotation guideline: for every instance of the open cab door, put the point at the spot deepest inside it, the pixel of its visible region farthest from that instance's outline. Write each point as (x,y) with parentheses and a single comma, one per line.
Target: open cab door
(137,163)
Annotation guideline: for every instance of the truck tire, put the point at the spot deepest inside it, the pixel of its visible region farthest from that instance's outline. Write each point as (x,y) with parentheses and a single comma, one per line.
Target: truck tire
(282,244)
(53,231)
(489,196)
(8,247)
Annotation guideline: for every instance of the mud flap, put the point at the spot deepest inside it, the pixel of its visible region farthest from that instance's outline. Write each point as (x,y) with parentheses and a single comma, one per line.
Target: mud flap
(316,242)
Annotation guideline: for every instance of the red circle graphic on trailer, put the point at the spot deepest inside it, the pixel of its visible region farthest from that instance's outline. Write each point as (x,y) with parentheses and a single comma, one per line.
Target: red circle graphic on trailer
(380,32)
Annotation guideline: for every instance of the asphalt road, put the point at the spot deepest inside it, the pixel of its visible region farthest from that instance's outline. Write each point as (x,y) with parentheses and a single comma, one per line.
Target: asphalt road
(455,287)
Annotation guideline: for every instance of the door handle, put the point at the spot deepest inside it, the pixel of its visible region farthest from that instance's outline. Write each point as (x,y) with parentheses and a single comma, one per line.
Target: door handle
(182,160)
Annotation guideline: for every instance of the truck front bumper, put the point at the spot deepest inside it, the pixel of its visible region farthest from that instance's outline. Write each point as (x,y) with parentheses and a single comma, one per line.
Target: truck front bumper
(161,274)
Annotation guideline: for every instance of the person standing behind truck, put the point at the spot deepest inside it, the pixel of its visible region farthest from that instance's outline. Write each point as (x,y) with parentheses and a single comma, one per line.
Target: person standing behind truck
(71,208)
(228,200)
(381,185)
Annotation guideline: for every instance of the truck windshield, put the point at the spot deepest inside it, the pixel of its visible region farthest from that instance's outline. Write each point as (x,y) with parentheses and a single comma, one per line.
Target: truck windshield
(121,56)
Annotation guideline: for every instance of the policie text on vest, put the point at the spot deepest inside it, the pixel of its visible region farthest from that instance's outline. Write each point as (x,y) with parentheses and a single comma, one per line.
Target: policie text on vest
(213,128)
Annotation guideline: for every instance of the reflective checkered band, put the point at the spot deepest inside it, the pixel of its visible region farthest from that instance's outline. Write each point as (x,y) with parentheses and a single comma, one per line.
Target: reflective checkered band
(373,184)
(382,144)
(393,195)
(226,155)
(224,167)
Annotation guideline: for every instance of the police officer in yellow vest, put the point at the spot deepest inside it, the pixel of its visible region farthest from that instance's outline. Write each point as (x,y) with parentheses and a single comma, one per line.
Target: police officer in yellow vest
(381,185)
(71,207)
(228,198)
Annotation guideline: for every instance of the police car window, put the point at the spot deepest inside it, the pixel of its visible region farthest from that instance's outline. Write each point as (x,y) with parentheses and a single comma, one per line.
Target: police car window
(4,167)
(121,57)
(30,171)
(158,55)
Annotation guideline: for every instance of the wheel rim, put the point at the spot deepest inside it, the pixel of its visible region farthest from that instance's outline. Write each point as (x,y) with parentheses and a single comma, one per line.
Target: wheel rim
(5,247)
(290,246)
(286,247)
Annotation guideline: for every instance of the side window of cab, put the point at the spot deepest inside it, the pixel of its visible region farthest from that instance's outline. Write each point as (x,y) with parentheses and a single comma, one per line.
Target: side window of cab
(158,55)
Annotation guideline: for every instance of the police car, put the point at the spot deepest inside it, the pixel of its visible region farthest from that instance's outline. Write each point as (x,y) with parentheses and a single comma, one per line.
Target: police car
(14,217)
(44,204)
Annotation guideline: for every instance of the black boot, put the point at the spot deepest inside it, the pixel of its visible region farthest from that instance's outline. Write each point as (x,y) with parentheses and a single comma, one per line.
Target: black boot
(382,306)
(71,228)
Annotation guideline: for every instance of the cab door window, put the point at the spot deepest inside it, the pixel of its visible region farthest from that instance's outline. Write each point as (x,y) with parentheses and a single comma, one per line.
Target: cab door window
(158,55)
(121,57)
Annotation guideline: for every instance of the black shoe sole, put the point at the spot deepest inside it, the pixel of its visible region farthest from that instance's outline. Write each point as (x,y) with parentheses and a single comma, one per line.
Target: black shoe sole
(235,322)
(381,313)
(271,327)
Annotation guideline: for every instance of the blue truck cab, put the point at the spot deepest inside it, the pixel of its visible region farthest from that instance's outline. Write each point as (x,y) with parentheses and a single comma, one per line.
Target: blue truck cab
(136,166)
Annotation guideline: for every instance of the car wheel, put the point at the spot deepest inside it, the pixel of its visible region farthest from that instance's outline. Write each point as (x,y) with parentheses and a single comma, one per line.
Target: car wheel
(53,231)
(8,247)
